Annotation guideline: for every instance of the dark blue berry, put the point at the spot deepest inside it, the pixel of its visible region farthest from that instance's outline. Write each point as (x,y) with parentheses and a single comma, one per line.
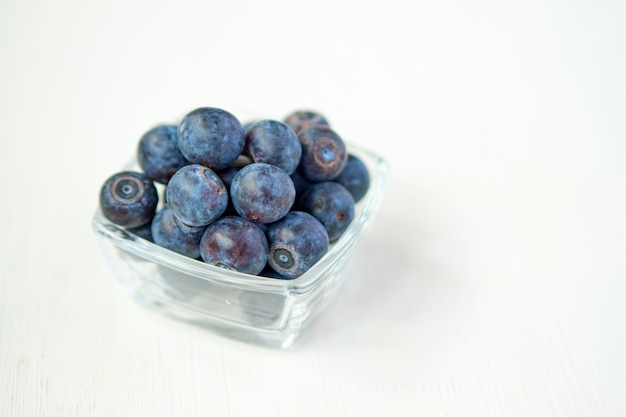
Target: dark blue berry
(212,137)
(296,242)
(355,177)
(269,272)
(128,199)
(301,119)
(331,204)
(168,231)
(144,231)
(274,143)
(235,243)
(262,193)
(323,153)
(158,154)
(197,195)
(301,183)
(227,174)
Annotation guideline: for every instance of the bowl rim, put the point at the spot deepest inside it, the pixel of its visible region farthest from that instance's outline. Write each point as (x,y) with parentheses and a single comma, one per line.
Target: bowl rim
(312,278)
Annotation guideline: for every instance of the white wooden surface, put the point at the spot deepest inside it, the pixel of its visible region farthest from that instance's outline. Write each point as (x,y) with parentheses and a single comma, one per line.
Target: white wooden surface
(493,282)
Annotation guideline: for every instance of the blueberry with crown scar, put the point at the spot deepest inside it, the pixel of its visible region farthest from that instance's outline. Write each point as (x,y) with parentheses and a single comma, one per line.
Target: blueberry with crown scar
(296,243)
(324,153)
(128,199)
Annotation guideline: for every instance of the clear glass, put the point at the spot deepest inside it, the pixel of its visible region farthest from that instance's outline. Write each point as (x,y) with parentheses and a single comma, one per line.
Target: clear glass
(266,311)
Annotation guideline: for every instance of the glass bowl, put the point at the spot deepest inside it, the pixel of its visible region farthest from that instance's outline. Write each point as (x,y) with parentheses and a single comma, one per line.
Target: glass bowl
(266,311)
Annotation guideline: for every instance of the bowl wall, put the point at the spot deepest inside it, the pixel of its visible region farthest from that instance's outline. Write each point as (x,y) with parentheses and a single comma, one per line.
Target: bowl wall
(261,310)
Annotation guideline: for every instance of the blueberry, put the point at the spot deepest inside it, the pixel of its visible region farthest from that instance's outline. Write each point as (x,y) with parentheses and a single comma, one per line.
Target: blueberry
(235,243)
(269,272)
(143,231)
(128,199)
(274,143)
(171,233)
(212,137)
(301,183)
(355,177)
(331,204)
(323,153)
(197,195)
(301,119)
(158,154)
(262,193)
(296,242)
(227,174)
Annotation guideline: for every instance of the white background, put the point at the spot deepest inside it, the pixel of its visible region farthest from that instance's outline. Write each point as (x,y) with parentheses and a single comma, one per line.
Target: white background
(492,283)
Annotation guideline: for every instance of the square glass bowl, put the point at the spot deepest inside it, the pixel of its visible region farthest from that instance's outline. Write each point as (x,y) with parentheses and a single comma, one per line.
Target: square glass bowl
(266,311)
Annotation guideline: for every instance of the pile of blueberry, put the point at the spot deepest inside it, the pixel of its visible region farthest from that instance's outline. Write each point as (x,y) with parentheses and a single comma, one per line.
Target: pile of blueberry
(263,198)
